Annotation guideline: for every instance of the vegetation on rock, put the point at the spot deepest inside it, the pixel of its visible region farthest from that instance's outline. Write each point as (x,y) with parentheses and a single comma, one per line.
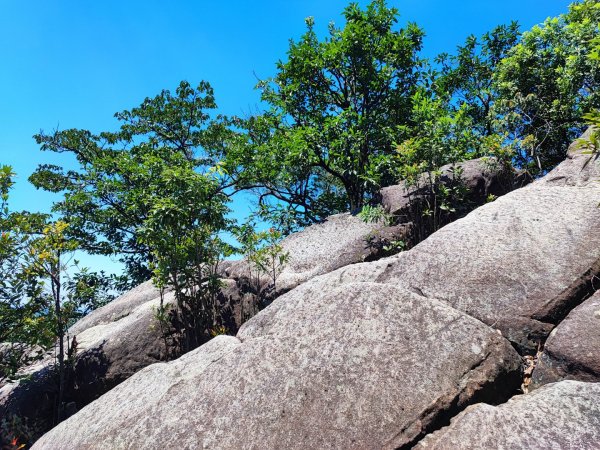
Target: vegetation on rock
(344,116)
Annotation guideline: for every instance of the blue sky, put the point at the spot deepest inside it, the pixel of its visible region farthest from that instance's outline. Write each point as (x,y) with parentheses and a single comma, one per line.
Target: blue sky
(74,63)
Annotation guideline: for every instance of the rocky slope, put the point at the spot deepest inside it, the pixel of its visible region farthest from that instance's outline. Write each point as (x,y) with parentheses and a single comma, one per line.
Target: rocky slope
(116,341)
(380,354)
(559,416)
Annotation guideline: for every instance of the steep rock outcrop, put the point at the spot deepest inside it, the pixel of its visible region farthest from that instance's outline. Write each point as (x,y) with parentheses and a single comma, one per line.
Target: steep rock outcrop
(519,264)
(481,178)
(341,240)
(363,366)
(560,416)
(301,367)
(345,239)
(572,351)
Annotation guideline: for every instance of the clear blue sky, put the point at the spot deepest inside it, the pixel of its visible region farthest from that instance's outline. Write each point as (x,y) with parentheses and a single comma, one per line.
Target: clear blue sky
(74,63)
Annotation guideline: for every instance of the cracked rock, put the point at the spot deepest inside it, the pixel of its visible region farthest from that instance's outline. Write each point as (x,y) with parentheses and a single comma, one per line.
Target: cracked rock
(558,416)
(572,351)
(362,366)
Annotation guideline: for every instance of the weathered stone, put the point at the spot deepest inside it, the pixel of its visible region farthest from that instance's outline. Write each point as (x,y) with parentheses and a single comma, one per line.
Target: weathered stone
(341,240)
(520,263)
(363,366)
(559,416)
(481,177)
(113,343)
(572,352)
(118,308)
(107,353)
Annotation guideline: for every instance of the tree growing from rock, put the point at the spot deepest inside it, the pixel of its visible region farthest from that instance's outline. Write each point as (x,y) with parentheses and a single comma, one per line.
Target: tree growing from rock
(547,83)
(324,144)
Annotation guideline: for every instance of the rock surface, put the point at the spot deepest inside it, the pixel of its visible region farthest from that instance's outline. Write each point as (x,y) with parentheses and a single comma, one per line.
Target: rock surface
(363,366)
(572,352)
(120,339)
(481,177)
(345,239)
(559,416)
(359,356)
(519,264)
(341,240)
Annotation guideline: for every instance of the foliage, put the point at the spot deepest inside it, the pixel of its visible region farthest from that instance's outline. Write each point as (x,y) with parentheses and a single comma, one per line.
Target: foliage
(375,214)
(187,211)
(16,433)
(108,199)
(38,300)
(546,85)
(335,104)
(467,77)
(265,257)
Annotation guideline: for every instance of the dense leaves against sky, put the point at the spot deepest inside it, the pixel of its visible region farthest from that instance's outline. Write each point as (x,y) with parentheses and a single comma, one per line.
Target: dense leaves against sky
(128,177)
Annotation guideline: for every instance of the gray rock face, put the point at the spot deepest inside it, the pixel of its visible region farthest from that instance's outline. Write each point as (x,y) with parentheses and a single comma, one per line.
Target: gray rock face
(481,177)
(117,309)
(572,351)
(120,339)
(344,239)
(558,416)
(341,240)
(372,354)
(363,366)
(520,263)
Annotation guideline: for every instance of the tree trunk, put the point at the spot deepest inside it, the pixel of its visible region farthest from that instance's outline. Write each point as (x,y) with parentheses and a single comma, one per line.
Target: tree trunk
(60,333)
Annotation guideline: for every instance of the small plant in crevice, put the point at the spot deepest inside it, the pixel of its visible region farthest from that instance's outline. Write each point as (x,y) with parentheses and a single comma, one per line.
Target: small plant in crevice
(376,214)
(435,199)
(265,257)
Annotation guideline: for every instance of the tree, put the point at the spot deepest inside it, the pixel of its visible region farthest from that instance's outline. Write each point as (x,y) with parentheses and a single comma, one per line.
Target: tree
(45,260)
(186,216)
(334,106)
(24,320)
(547,84)
(108,198)
(467,78)
(39,299)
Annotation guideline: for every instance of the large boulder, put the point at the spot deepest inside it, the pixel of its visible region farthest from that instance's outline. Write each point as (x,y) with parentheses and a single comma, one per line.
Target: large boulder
(342,239)
(363,366)
(520,263)
(481,178)
(563,416)
(119,308)
(572,351)
(111,345)
(345,239)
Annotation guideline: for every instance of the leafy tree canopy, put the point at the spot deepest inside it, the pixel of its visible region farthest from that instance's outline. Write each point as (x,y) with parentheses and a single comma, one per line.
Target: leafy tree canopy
(334,110)
(122,176)
(547,83)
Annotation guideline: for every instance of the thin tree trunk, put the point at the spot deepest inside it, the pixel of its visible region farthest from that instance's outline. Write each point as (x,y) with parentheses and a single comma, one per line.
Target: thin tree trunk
(60,332)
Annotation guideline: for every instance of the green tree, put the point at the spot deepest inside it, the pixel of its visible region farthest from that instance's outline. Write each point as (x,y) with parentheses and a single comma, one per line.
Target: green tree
(325,143)
(547,83)
(39,299)
(24,320)
(108,198)
(467,78)
(186,216)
